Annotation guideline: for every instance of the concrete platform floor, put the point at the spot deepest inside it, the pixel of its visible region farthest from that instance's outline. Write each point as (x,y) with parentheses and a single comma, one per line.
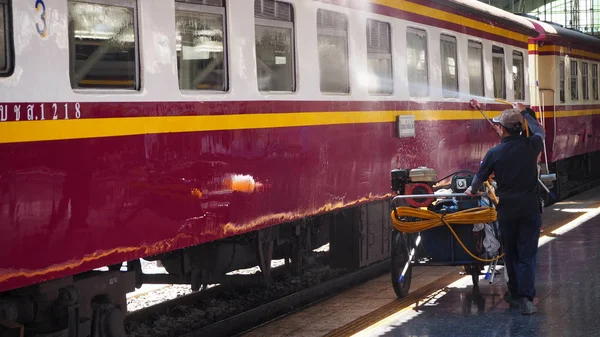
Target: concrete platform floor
(568,289)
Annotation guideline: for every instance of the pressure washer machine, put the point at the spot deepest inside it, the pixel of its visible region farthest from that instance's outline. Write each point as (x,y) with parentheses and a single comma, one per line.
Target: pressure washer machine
(442,226)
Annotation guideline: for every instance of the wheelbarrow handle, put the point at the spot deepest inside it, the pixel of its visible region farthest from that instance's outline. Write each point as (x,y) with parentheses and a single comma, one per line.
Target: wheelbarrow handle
(449,195)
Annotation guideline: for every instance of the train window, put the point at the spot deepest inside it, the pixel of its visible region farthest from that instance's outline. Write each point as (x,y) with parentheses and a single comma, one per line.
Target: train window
(201,54)
(103,44)
(449,66)
(416,61)
(476,68)
(561,74)
(3,35)
(595,81)
(584,79)
(274,45)
(379,57)
(5,48)
(498,72)
(574,88)
(518,76)
(332,39)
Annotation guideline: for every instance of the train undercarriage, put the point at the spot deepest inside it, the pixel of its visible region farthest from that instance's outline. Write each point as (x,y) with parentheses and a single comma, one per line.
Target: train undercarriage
(94,303)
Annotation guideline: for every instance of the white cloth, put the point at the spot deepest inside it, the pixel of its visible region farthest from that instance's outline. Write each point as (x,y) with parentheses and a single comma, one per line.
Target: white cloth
(490,242)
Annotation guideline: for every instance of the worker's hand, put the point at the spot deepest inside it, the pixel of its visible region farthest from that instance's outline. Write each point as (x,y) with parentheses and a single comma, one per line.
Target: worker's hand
(469,192)
(519,106)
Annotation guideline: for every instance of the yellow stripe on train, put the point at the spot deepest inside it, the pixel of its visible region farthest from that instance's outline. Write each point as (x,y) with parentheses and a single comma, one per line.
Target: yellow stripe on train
(564,50)
(31,131)
(412,7)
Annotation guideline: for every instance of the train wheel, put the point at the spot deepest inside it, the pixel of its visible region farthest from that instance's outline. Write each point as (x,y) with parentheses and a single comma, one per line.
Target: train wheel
(400,255)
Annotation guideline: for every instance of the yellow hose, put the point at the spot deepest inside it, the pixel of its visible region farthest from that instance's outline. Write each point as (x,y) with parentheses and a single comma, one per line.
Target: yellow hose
(503,101)
(431,220)
(491,192)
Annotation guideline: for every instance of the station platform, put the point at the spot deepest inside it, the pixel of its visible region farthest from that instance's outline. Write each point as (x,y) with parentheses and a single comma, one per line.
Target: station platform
(442,301)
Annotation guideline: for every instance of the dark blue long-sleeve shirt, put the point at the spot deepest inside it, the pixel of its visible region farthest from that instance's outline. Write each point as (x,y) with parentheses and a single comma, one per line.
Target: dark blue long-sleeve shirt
(514,164)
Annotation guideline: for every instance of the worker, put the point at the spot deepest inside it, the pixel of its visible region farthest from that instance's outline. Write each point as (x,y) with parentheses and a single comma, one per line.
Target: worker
(514,163)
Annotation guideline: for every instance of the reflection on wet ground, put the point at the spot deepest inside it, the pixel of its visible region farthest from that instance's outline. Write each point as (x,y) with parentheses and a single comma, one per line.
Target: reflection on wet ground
(568,297)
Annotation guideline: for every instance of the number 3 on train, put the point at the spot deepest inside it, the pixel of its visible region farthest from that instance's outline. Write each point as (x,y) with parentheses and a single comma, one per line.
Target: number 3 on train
(39,5)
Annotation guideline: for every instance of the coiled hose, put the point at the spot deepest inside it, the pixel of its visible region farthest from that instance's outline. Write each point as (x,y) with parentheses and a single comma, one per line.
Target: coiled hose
(431,220)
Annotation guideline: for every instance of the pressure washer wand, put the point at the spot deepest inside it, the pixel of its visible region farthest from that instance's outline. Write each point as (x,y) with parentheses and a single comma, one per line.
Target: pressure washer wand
(474,104)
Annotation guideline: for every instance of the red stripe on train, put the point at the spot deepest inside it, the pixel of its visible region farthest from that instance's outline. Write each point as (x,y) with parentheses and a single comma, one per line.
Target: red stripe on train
(19,111)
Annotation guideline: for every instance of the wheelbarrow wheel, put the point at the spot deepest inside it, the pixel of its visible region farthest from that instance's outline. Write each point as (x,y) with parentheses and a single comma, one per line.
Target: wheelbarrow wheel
(400,255)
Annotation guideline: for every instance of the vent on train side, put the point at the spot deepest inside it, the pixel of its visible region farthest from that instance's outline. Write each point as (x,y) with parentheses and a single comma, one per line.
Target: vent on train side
(379,37)
(273,10)
(331,20)
(215,3)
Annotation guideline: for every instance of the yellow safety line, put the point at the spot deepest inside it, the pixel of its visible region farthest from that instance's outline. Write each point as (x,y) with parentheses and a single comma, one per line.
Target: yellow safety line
(394,306)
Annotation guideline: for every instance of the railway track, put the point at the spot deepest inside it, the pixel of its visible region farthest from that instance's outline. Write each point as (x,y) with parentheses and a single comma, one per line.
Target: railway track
(162,307)
(228,310)
(260,315)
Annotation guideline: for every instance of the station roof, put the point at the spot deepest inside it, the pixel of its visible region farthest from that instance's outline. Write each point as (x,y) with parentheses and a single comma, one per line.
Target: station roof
(514,5)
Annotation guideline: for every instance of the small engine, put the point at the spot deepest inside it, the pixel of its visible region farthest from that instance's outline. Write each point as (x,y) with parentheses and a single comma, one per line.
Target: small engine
(460,183)
(416,181)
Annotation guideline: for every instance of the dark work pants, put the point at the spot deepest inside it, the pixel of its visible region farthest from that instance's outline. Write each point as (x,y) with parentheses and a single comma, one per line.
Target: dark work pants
(520,238)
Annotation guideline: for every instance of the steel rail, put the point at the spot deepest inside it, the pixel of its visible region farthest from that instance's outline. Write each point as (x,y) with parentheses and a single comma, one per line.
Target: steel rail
(284,306)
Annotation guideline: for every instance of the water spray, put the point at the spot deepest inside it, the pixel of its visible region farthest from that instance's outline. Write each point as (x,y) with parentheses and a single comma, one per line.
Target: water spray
(474,104)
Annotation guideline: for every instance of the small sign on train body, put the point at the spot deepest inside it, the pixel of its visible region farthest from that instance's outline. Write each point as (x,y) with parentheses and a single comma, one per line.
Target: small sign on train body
(406,126)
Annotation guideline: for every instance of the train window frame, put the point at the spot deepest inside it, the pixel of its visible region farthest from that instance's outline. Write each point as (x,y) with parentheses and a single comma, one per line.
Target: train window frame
(561,81)
(479,46)
(134,5)
(498,53)
(274,23)
(323,30)
(573,76)
(452,39)
(374,53)
(517,55)
(595,83)
(198,7)
(584,80)
(411,87)
(7,47)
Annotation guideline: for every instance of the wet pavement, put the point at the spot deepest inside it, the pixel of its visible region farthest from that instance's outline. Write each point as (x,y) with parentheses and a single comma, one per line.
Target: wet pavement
(568,297)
